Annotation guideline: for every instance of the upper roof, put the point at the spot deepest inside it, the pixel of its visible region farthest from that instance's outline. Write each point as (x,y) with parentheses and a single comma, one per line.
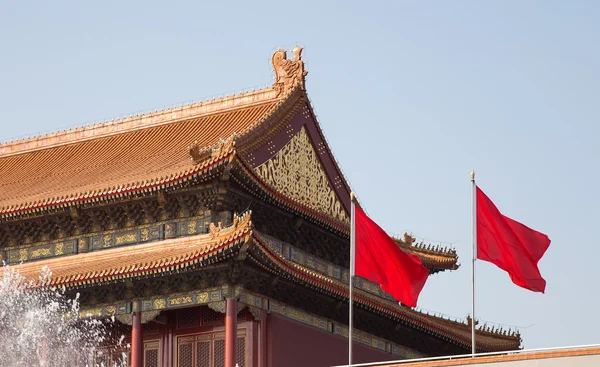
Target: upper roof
(69,167)
(272,134)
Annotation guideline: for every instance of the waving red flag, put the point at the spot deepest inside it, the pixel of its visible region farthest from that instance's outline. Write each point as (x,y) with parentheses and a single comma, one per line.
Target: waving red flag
(380,260)
(510,245)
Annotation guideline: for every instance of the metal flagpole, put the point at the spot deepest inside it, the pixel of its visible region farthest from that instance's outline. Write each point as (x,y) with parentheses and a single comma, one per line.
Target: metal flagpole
(351,275)
(474,254)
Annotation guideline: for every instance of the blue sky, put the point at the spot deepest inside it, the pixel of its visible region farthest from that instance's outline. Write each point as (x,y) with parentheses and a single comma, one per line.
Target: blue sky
(412,96)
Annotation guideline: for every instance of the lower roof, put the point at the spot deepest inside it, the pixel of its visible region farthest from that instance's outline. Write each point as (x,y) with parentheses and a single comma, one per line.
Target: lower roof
(191,253)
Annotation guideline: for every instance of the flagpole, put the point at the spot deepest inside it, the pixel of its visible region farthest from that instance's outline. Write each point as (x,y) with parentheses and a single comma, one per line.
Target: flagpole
(474,256)
(351,274)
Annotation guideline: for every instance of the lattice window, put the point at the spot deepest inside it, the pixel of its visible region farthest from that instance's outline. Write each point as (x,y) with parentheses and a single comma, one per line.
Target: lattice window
(151,354)
(187,318)
(240,351)
(208,349)
(151,328)
(185,355)
(203,356)
(219,353)
(212,317)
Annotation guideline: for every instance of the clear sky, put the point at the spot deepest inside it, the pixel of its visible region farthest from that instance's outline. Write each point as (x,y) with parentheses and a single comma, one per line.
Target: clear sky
(412,95)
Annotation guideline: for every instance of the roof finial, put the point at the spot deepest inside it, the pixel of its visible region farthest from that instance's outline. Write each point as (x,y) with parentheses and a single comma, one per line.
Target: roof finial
(288,73)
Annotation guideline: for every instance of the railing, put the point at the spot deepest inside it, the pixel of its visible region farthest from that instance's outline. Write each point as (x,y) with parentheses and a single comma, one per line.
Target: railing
(464,356)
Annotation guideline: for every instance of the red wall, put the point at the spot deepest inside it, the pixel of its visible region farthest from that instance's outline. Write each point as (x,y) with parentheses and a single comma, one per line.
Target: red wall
(292,344)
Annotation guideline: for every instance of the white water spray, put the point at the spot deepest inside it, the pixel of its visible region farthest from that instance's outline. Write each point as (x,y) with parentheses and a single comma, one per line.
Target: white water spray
(40,326)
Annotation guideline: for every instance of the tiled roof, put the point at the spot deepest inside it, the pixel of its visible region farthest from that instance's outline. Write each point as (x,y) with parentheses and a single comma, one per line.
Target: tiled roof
(457,332)
(72,168)
(174,255)
(132,261)
(436,258)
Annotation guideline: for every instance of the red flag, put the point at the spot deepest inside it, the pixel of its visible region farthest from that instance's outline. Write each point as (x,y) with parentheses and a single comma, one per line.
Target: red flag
(510,245)
(380,260)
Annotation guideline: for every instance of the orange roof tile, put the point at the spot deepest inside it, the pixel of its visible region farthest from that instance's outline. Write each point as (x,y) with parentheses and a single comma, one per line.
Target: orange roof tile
(64,168)
(138,260)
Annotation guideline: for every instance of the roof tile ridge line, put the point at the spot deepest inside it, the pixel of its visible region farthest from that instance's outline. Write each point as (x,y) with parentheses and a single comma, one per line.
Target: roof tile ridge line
(64,138)
(424,321)
(328,147)
(447,251)
(264,236)
(222,240)
(283,99)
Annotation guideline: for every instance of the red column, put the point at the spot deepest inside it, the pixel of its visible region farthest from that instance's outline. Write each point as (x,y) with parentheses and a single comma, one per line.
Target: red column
(230,332)
(262,339)
(137,357)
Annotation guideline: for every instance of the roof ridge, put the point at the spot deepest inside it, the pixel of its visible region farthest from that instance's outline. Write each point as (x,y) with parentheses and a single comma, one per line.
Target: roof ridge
(139,121)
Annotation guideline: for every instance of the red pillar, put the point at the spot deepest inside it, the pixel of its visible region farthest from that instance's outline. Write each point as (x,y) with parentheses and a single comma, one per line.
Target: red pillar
(262,339)
(137,358)
(230,332)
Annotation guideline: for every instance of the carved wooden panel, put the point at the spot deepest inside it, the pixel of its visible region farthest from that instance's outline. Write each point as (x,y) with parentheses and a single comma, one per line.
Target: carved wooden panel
(185,357)
(203,355)
(208,349)
(296,171)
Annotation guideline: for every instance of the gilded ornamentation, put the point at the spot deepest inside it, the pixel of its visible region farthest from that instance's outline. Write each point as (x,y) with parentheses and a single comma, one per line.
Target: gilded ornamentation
(288,72)
(217,306)
(180,301)
(192,227)
(58,249)
(159,304)
(296,171)
(40,252)
(107,239)
(22,254)
(125,238)
(214,230)
(199,153)
(202,298)
(145,234)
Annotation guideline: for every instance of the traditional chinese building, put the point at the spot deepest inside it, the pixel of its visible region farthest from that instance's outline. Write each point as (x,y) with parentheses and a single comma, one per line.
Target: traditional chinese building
(216,233)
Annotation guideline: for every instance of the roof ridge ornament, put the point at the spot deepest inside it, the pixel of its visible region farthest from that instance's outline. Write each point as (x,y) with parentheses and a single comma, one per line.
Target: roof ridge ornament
(199,153)
(288,73)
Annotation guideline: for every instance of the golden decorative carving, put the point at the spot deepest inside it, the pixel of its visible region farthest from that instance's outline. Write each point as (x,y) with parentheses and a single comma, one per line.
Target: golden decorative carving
(199,153)
(202,298)
(23,254)
(58,249)
(145,234)
(126,238)
(192,227)
(288,72)
(296,171)
(180,300)
(40,252)
(159,304)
